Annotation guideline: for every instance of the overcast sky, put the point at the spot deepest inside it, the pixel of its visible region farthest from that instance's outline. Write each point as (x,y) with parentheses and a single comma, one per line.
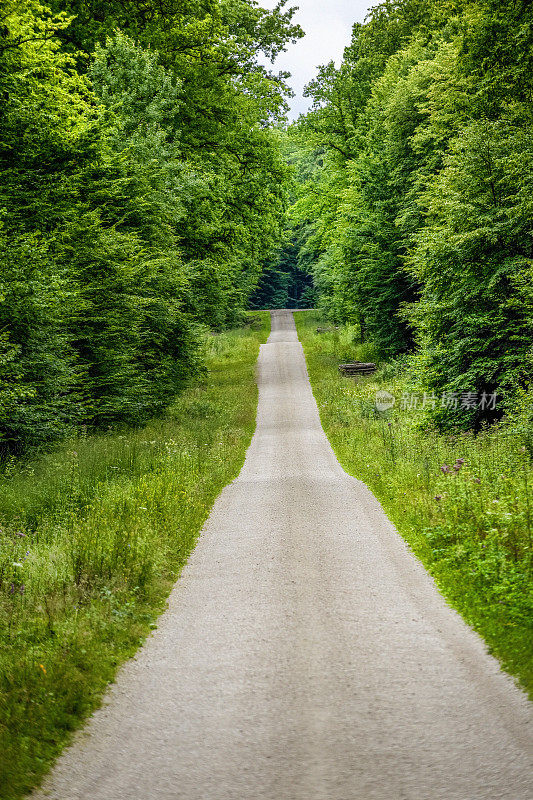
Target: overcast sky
(328,26)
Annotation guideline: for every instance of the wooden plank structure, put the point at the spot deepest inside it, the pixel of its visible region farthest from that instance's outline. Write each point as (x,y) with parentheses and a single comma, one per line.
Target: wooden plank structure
(357,369)
(327,330)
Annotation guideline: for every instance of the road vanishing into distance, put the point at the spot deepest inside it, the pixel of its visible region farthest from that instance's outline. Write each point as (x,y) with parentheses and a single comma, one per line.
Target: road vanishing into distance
(305,653)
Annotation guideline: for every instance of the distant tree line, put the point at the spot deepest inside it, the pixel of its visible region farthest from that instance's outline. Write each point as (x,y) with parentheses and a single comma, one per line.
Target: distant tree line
(286,280)
(416,193)
(142,186)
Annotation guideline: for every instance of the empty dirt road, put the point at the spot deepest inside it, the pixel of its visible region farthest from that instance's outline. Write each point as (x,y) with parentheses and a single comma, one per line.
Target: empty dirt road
(305,654)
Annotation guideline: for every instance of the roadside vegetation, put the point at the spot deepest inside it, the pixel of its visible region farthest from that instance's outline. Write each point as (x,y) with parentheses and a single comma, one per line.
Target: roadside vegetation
(92,537)
(412,211)
(462,501)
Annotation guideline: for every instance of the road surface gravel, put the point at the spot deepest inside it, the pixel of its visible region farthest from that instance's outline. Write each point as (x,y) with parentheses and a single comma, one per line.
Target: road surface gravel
(305,653)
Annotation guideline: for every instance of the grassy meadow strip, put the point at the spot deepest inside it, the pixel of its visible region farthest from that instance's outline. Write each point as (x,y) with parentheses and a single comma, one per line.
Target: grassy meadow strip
(92,538)
(463,503)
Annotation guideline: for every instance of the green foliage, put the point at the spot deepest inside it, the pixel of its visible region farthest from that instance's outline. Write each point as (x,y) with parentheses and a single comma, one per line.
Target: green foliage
(418,204)
(475,316)
(286,279)
(141,190)
(284,282)
(37,368)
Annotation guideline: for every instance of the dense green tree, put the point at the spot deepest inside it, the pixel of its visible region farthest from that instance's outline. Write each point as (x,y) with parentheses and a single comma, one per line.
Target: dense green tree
(144,177)
(418,207)
(37,365)
(363,167)
(474,260)
(226,100)
(141,191)
(285,282)
(45,124)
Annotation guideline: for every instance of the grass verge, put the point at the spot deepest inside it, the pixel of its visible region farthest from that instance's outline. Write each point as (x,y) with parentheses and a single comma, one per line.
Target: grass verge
(92,538)
(463,503)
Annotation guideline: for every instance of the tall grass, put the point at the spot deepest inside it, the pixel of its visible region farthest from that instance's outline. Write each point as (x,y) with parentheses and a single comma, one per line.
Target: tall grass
(92,537)
(464,503)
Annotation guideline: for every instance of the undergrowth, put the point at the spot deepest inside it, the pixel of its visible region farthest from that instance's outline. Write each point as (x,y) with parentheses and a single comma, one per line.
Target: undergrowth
(464,502)
(92,537)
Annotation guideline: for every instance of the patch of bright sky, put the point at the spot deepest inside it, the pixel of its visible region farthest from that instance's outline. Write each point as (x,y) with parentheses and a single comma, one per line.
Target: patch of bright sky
(328,28)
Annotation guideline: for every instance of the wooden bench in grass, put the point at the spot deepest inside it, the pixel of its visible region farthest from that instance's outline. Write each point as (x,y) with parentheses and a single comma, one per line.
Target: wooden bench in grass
(356,369)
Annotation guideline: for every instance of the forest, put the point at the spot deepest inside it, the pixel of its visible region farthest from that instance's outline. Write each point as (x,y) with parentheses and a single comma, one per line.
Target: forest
(142,186)
(151,187)
(413,204)
(155,202)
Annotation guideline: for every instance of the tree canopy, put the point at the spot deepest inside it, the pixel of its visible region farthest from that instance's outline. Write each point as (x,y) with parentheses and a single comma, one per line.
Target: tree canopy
(150,186)
(142,188)
(417,197)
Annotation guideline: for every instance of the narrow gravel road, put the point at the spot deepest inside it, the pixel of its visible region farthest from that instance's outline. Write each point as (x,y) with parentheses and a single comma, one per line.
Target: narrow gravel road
(305,654)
